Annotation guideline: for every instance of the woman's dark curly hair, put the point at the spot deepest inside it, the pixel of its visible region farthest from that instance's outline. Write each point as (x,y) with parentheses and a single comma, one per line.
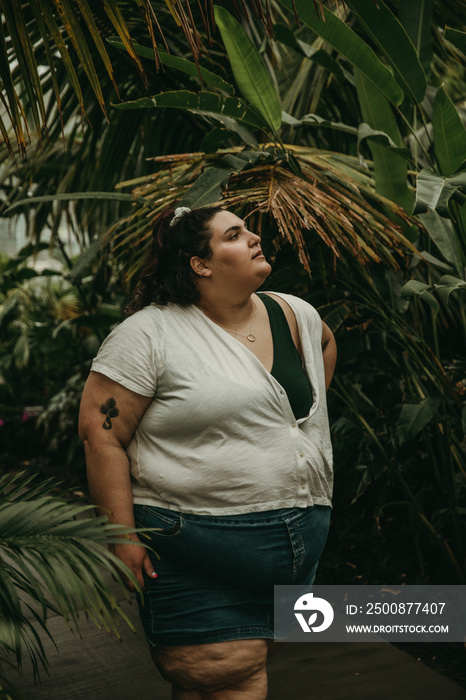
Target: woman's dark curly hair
(167,275)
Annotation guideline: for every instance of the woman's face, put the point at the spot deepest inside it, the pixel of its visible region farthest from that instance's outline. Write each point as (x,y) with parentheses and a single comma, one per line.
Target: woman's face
(236,251)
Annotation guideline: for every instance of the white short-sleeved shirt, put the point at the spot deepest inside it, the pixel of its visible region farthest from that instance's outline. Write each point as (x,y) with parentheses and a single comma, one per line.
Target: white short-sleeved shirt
(219,436)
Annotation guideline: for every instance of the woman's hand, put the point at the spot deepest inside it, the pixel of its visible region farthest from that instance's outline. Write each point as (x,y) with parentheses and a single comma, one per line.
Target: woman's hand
(137,560)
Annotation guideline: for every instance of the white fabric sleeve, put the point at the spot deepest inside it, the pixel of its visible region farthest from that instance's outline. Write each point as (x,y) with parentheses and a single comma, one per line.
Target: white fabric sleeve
(132,354)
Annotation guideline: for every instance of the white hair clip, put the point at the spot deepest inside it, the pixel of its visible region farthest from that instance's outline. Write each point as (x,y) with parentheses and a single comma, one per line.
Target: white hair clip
(179,212)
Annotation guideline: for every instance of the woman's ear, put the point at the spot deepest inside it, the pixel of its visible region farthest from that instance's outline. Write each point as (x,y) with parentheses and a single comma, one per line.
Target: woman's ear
(199,267)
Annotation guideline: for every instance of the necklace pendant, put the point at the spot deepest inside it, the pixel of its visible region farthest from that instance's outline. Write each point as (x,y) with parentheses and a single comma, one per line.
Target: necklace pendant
(251,337)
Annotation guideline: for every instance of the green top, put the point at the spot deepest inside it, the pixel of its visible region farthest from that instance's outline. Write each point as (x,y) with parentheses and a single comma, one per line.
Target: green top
(287,365)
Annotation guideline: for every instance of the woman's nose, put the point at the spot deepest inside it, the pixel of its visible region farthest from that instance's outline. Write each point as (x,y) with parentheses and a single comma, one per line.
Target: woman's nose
(254,238)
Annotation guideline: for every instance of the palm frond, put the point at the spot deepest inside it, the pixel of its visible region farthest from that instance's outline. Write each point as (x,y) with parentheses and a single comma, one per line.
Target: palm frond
(54,559)
(332,198)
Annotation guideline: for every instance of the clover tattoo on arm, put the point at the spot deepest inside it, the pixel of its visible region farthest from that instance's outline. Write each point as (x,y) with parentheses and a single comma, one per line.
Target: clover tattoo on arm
(110,410)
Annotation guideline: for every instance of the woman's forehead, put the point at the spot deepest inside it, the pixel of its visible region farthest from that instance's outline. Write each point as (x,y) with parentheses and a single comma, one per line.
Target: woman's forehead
(224,220)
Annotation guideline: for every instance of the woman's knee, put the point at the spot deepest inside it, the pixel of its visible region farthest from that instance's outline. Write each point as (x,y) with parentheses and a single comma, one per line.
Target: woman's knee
(212,667)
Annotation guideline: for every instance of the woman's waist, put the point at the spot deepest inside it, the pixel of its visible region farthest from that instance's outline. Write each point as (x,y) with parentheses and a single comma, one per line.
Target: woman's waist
(204,507)
(230,483)
(238,460)
(245,519)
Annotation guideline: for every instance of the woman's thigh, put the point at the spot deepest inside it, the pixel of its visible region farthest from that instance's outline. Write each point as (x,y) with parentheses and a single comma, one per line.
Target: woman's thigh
(212,667)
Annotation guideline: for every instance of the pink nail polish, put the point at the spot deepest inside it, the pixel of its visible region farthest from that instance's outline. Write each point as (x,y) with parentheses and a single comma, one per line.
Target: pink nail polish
(154,575)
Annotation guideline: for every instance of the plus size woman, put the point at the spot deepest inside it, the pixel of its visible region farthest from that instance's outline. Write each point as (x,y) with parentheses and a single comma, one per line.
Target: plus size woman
(204,417)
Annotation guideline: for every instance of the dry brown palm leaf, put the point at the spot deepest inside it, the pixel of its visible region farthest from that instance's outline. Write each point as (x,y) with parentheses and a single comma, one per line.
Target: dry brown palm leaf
(333,199)
(303,207)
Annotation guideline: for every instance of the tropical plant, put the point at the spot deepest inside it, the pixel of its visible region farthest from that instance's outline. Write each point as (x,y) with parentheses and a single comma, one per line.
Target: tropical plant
(394,143)
(51,330)
(54,559)
(276,178)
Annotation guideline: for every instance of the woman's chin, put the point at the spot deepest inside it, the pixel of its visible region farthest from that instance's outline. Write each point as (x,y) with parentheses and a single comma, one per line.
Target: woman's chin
(267,268)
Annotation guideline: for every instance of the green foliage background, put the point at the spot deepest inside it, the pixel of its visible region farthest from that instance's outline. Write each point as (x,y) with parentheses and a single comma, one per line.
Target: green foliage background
(342,141)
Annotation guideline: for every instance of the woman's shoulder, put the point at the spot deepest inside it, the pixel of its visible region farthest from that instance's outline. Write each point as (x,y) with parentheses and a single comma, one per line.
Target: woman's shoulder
(293,302)
(150,311)
(133,354)
(144,324)
(145,317)
(302,317)
(152,321)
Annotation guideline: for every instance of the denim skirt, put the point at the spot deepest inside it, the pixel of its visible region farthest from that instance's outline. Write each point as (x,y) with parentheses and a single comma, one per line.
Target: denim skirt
(216,573)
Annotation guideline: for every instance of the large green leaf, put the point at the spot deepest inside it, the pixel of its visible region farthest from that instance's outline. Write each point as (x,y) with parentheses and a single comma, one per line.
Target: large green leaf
(207,189)
(444,287)
(436,262)
(251,75)
(286,36)
(348,44)
(207,103)
(449,134)
(179,63)
(366,133)
(363,132)
(448,284)
(416,18)
(415,288)
(390,168)
(444,236)
(216,137)
(415,417)
(316,120)
(390,36)
(434,192)
(457,38)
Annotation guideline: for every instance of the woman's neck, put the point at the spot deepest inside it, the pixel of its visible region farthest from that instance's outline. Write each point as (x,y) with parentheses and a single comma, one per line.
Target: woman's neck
(227,312)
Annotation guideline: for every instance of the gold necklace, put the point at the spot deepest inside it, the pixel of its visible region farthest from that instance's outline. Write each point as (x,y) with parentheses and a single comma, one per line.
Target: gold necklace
(250,336)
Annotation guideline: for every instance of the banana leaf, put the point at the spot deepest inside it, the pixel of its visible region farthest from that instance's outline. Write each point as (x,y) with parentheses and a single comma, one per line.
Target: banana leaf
(207,103)
(391,169)
(344,40)
(416,18)
(251,75)
(390,36)
(449,134)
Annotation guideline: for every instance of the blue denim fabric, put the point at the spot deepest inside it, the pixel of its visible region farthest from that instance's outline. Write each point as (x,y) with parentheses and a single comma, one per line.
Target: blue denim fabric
(216,573)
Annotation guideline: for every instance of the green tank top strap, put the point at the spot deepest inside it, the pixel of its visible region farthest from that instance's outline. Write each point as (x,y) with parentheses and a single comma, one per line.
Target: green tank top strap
(287,365)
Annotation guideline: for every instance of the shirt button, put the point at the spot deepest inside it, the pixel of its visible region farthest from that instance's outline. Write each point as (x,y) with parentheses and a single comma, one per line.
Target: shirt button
(293,425)
(301,454)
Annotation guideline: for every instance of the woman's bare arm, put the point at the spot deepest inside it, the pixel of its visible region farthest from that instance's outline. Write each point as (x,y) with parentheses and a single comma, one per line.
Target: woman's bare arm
(329,352)
(109,415)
